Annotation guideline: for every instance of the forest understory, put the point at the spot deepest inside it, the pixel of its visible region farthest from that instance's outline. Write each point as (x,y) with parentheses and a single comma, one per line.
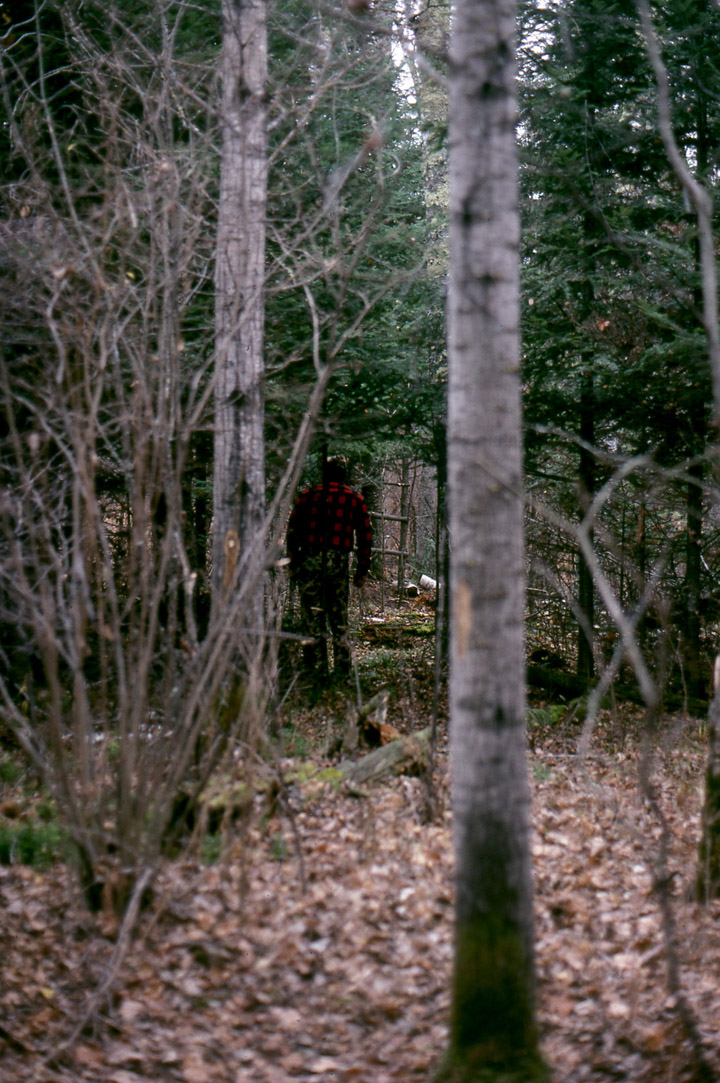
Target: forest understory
(314,940)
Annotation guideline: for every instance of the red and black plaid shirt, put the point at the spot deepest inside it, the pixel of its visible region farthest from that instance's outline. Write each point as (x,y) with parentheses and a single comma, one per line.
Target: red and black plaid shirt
(332,516)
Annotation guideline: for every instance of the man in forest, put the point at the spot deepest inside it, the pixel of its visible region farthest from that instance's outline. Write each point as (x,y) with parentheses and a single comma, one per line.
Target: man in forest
(327,522)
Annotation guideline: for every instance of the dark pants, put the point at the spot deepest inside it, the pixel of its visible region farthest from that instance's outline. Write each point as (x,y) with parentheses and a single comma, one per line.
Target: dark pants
(323,582)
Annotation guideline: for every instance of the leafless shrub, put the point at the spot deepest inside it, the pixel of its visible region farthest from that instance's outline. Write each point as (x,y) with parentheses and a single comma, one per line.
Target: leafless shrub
(118,681)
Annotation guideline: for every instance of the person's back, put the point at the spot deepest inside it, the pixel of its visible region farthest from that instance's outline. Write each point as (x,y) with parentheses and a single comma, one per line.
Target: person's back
(331,516)
(328,521)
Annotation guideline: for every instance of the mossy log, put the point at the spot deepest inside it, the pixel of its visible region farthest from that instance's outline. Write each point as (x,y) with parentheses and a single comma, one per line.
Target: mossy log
(404,756)
(392,633)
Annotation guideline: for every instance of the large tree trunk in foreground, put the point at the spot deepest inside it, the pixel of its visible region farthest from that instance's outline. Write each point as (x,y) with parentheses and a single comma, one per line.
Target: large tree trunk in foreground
(493,1020)
(239,453)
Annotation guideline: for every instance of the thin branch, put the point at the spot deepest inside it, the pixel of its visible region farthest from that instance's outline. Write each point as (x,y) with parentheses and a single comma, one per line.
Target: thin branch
(122,945)
(700,198)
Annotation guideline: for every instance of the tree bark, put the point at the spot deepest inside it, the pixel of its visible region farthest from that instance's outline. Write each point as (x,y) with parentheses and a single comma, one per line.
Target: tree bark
(493,1014)
(586,584)
(690,615)
(708,879)
(239,451)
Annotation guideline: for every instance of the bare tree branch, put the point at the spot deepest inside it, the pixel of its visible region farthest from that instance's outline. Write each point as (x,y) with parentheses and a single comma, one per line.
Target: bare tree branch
(699,197)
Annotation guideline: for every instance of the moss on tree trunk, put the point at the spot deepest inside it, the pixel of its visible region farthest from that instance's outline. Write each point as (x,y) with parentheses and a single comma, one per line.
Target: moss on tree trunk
(469,1071)
(492,1029)
(493,1008)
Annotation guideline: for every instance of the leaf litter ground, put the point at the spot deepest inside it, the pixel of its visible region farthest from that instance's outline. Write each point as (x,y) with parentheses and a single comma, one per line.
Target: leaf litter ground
(319,946)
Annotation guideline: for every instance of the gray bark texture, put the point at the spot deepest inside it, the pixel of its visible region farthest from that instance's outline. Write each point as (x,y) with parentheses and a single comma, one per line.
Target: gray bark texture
(239,452)
(493,984)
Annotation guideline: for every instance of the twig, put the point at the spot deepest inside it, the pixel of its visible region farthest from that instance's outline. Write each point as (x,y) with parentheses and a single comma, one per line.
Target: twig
(662,889)
(290,813)
(122,946)
(699,197)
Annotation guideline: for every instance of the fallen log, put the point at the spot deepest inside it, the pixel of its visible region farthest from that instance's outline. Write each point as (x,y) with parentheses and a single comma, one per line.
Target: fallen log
(403,756)
(393,633)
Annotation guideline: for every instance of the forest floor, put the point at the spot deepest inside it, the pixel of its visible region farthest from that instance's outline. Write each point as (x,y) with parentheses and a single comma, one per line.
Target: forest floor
(318,943)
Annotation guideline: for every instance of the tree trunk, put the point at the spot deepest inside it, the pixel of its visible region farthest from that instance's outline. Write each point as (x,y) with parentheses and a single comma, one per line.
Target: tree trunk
(431,27)
(404,532)
(493,1015)
(586,585)
(239,451)
(708,878)
(442,548)
(690,617)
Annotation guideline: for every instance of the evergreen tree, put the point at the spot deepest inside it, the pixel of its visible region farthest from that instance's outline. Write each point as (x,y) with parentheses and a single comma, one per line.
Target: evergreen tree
(346,236)
(614,358)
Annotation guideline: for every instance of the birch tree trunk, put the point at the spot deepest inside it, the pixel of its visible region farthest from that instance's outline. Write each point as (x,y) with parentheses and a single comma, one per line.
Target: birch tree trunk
(493,1018)
(239,451)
